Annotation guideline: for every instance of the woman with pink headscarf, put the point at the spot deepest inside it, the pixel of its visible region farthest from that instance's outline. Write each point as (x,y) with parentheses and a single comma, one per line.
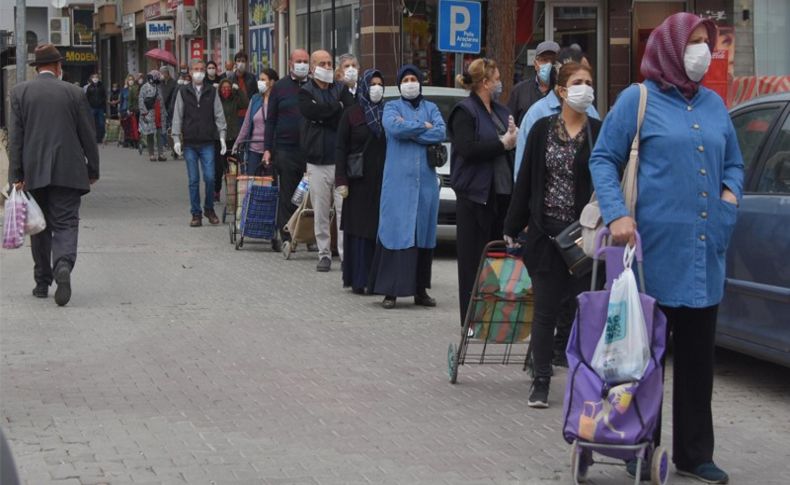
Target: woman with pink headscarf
(690,180)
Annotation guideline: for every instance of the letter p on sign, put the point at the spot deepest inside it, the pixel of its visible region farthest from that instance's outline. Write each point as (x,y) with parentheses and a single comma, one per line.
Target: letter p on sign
(460,18)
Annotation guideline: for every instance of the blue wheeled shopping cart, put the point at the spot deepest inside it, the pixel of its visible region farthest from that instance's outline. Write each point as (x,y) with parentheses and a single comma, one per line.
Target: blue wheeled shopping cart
(258,213)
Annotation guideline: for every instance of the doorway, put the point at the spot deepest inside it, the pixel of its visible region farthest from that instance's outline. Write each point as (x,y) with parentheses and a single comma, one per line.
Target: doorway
(581,22)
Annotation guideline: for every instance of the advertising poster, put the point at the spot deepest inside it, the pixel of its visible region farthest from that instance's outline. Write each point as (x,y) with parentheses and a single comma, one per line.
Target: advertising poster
(82,20)
(261,48)
(261,13)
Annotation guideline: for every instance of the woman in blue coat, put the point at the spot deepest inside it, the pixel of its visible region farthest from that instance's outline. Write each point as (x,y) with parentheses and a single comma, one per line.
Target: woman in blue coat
(409,195)
(689,182)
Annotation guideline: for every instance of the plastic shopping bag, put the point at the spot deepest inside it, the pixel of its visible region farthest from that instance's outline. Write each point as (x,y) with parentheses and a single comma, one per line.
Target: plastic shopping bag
(14,222)
(623,351)
(35,217)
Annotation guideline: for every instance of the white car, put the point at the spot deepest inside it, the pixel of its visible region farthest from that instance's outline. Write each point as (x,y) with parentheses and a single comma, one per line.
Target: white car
(445,99)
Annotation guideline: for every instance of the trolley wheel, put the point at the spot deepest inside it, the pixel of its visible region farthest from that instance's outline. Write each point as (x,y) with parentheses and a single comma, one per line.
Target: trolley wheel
(579,463)
(239,243)
(452,363)
(659,468)
(286,249)
(231,234)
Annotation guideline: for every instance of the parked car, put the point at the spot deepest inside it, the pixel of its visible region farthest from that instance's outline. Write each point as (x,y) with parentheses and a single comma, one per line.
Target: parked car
(445,99)
(754,316)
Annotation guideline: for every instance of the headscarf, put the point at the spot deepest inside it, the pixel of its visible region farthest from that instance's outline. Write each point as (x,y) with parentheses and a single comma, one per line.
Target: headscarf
(154,76)
(405,70)
(373,111)
(663,59)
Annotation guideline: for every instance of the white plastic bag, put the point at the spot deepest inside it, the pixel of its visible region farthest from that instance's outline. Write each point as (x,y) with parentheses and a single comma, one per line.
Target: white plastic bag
(35,222)
(14,221)
(623,351)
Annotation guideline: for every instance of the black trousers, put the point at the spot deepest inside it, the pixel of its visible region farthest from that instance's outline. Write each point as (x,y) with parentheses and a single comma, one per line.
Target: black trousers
(289,167)
(58,242)
(476,225)
(693,333)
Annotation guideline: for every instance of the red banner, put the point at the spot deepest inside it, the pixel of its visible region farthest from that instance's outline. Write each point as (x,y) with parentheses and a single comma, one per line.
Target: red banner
(716,77)
(197,48)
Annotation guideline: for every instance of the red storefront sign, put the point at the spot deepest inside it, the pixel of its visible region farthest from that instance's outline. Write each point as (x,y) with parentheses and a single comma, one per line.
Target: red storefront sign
(152,10)
(197,48)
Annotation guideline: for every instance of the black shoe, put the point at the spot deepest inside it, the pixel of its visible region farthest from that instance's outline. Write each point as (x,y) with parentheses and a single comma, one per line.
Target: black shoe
(277,245)
(358,291)
(539,393)
(644,475)
(41,290)
(63,280)
(424,300)
(707,472)
(388,303)
(324,265)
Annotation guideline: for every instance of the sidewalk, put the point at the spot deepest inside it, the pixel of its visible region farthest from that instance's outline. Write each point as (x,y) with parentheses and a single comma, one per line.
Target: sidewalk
(182,361)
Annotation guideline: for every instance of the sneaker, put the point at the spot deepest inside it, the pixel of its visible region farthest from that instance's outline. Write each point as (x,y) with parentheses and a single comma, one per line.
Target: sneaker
(630,470)
(324,265)
(539,393)
(707,472)
(212,217)
(41,290)
(388,303)
(197,220)
(63,280)
(162,158)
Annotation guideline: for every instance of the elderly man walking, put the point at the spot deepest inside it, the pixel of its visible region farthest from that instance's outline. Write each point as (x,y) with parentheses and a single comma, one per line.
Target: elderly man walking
(53,154)
(321,102)
(198,118)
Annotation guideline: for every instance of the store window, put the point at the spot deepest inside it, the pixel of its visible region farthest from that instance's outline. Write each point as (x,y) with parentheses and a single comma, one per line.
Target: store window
(771,38)
(530,31)
(346,25)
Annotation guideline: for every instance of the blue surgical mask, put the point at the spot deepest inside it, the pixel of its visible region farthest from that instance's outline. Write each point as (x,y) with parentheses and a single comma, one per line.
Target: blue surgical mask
(544,73)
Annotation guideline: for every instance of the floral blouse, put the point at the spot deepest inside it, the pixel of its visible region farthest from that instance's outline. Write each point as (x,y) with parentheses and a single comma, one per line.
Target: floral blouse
(559,198)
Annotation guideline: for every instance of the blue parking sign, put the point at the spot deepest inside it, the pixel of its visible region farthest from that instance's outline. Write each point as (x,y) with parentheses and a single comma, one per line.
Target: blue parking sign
(460,26)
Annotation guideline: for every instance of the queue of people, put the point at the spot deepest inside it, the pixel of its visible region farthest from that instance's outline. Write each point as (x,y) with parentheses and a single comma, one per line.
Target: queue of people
(522,172)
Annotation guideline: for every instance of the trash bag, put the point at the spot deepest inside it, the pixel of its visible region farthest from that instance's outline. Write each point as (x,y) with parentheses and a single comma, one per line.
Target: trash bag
(623,350)
(35,222)
(14,222)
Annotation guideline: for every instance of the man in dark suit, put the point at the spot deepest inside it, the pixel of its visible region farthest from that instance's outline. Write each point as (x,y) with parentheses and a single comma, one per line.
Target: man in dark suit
(53,154)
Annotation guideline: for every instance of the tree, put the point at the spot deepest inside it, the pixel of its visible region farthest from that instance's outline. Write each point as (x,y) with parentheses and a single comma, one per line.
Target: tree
(501,39)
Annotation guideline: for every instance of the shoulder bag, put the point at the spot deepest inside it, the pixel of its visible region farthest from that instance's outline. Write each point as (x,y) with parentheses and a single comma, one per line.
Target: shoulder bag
(437,155)
(356,161)
(576,242)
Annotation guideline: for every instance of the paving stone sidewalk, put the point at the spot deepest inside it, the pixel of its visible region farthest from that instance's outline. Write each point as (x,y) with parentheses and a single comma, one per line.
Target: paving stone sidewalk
(180,360)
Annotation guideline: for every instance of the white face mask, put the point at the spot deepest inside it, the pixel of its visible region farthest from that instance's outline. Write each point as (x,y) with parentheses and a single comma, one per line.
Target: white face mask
(198,76)
(262,86)
(323,74)
(580,97)
(696,60)
(211,71)
(410,90)
(240,66)
(351,75)
(301,69)
(94,80)
(376,93)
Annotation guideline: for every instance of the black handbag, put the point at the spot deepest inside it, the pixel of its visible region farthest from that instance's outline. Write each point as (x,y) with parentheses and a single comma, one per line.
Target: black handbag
(355,162)
(570,241)
(437,155)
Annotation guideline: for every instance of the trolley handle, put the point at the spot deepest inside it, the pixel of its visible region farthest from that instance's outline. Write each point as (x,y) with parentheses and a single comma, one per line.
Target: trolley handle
(601,250)
(599,246)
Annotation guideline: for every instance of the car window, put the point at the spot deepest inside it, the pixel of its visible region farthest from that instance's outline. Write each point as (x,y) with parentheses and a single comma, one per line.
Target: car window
(776,173)
(751,128)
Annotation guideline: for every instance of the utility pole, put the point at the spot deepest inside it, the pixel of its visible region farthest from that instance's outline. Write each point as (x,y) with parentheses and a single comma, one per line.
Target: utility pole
(21,42)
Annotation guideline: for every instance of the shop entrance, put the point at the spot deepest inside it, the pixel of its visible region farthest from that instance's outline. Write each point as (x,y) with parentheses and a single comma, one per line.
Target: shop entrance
(581,22)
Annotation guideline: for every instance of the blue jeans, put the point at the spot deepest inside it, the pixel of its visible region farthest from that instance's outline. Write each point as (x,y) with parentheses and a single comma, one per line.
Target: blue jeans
(98,119)
(204,155)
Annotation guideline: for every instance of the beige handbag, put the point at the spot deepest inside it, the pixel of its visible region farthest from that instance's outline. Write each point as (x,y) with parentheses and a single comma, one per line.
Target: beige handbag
(590,219)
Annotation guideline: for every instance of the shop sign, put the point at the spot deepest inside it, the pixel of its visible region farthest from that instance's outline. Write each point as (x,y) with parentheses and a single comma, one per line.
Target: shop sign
(172,5)
(197,48)
(187,20)
(128,30)
(460,26)
(82,22)
(152,10)
(79,56)
(159,30)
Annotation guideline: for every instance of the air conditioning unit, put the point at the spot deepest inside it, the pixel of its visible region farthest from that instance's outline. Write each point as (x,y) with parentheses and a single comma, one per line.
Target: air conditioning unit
(60,31)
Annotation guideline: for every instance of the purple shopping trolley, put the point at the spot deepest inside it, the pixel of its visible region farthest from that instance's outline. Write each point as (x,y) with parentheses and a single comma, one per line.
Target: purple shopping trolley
(615,421)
